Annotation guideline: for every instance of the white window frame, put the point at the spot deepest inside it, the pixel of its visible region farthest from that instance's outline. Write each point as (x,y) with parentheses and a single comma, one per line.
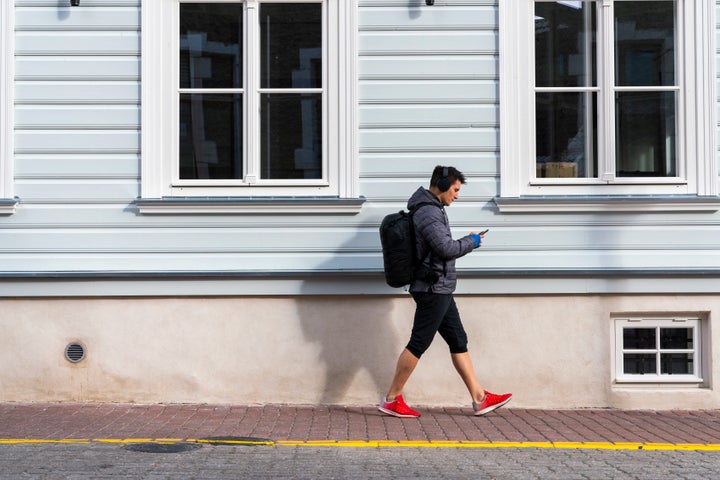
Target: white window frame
(695,189)
(658,322)
(163,192)
(7,66)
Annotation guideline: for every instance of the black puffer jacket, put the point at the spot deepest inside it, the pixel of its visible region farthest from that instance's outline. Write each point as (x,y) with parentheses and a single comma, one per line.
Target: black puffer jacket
(432,234)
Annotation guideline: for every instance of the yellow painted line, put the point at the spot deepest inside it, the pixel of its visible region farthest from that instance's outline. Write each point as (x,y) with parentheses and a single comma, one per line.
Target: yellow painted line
(20,441)
(123,440)
(230,441)
(169,440)
(380,443)
(480,444)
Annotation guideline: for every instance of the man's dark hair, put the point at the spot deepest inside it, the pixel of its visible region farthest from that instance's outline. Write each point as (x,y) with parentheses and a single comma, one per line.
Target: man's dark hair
(452,173)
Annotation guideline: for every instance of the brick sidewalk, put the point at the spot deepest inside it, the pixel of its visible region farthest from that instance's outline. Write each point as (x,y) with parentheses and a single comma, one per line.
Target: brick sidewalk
(338,423)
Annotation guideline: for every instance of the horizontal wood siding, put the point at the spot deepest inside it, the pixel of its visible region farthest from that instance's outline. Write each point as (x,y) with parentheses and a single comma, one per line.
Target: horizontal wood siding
(77,90)
(428,94)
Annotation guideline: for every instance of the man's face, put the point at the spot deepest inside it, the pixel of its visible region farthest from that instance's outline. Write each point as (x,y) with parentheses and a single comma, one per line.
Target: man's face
(451,194)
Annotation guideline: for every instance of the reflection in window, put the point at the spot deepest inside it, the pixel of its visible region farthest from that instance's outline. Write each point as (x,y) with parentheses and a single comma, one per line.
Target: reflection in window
(565,50)
(566,136)
(292,138)
(645,134)
(291,121)
(645,43)
(565,57)
(645,57)
(278,89)
(210,136)
(210,124)
(291,46)
(570,101)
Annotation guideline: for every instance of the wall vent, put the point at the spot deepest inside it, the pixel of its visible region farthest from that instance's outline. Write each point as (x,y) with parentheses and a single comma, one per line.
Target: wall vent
(75,352)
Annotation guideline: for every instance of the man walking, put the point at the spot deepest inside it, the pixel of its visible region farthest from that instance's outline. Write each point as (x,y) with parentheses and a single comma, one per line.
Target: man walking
(432,291)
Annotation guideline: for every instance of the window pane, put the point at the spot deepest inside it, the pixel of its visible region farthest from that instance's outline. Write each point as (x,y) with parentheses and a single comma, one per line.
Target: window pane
(639,339)
(645,134)
(291,51)
(291,142)
(565,44)
(645,43)
(211,49)
(676,363)
(676,338)
(638,364)
(210,136)
(565,133)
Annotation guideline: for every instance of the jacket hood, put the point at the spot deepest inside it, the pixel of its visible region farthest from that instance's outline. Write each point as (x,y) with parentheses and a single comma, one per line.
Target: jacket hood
(421,195)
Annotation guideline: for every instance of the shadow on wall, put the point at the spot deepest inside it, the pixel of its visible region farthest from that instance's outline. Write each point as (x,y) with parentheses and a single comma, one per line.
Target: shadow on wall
(355,334)
(415,8)
(63,9)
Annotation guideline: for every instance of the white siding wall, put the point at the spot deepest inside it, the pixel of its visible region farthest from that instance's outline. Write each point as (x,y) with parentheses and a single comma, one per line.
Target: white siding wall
(428,94)
(78,168)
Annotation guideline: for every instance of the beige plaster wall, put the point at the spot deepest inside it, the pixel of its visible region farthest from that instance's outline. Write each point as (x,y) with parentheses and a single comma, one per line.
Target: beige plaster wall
(551,352)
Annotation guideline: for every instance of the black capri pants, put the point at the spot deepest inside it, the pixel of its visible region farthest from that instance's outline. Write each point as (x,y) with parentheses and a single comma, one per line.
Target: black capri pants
(436,313)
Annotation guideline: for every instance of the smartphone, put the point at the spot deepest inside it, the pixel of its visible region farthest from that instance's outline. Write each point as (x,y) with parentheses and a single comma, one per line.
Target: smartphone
(484,231)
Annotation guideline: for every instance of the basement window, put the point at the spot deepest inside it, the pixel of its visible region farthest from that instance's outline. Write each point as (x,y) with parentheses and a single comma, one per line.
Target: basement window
(658,350)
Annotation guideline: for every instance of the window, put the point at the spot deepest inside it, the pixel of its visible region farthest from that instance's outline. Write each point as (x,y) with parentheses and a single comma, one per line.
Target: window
(249,105)
(611,97)
(7,32)
(659,350)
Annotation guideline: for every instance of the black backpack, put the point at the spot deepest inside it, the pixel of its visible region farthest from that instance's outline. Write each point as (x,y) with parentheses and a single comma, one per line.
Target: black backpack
(397,237)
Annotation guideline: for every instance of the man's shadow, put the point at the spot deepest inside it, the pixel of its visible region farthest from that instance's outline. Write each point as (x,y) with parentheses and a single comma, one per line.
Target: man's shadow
(355,334)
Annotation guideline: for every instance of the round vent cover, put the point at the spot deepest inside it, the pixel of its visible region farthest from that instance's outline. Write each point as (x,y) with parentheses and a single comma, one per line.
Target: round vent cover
(75,352)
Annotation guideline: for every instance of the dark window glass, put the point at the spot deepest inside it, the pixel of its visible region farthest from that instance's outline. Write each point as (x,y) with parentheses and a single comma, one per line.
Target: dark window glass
(565,134)
(640,364)
(645,43)
(290,57)
(639,338)
(645,134)
(211,48)
(211,136)
(676,364)
(291,142)
(676,338)
(291,45)
(565,47)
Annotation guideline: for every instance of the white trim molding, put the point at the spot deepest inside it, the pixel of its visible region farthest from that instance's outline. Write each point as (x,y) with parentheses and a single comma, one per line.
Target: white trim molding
(657,350)
(640,203)
(340,183)
(521,191)
(7,67)
(250,205)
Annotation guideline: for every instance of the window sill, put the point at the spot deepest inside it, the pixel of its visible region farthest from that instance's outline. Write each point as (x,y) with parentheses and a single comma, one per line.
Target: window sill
(249,205)
(612,204)
(7,206)
(658,381)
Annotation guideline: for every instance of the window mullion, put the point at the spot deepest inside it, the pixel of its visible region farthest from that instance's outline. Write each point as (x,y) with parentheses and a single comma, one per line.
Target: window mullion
(606,145)
(591,107)
(658,352)
(252,79)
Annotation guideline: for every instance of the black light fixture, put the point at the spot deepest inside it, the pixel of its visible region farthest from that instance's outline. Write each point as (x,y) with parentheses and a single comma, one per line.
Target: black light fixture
(429,2)
(75,3)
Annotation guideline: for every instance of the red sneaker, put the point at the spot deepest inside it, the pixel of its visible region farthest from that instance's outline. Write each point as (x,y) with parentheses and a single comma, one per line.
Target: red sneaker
(397,408)
(491,402)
